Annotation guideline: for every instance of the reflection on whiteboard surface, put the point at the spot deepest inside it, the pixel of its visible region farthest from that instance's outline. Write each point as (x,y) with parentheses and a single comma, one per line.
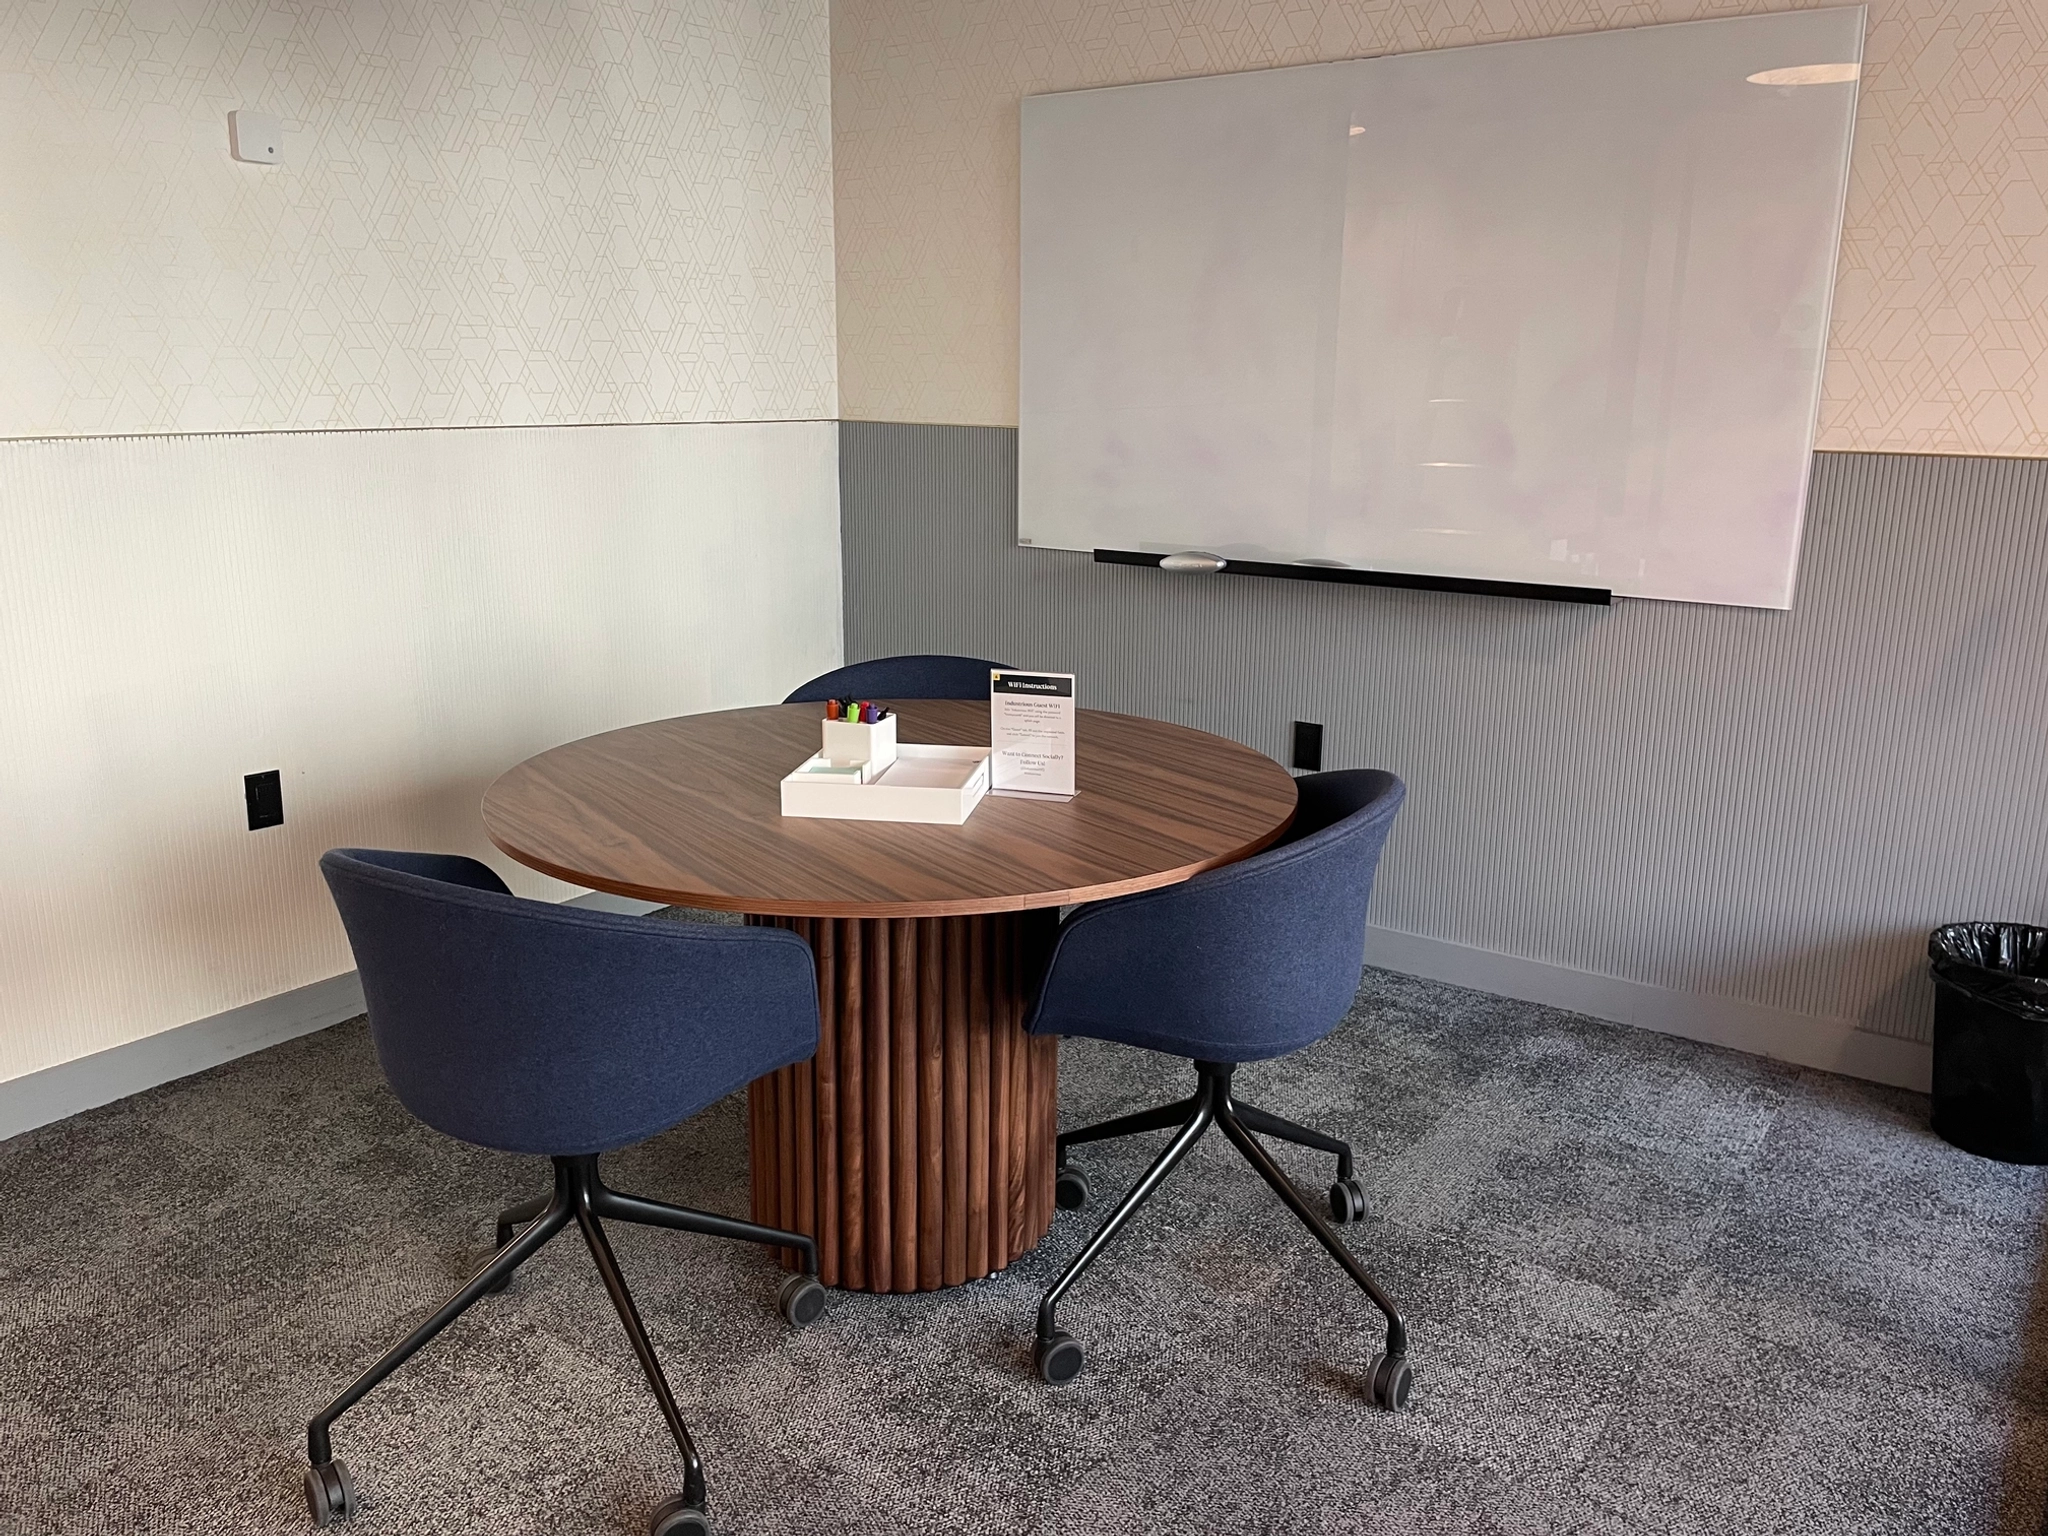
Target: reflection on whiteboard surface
(1550,311)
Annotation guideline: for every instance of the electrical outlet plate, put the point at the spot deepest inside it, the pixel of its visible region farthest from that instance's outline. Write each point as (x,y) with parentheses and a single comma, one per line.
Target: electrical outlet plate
(263,793)
(1308,746)
(257,137)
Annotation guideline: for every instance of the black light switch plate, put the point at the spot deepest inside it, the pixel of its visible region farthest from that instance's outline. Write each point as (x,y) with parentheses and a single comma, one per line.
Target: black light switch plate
(264,793)
(1308,746)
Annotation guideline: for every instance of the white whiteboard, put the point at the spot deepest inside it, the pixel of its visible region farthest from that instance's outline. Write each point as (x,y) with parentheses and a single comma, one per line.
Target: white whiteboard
(1550,311)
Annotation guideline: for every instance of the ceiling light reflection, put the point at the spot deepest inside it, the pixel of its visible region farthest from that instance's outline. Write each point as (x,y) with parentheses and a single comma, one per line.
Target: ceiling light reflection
(1805,74)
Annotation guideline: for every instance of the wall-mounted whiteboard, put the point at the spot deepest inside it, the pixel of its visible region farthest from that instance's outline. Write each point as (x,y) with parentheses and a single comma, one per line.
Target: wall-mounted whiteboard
(1550,311)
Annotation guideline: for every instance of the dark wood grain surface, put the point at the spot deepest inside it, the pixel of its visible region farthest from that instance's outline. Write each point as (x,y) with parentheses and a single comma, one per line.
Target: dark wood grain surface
(917,1146)
(688,812)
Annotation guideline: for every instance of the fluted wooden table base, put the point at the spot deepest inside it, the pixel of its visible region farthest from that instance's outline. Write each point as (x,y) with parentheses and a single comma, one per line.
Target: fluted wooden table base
(917,1147)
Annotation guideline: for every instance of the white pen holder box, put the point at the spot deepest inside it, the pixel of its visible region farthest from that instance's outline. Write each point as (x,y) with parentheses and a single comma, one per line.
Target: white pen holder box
(871,748)
(941,785)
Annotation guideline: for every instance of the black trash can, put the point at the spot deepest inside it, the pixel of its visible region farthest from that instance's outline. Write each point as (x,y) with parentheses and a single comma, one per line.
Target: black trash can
(1991,1039)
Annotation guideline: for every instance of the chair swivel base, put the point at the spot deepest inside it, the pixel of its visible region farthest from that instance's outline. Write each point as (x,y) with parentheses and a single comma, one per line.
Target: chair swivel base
(1059,1356)
(579,1195)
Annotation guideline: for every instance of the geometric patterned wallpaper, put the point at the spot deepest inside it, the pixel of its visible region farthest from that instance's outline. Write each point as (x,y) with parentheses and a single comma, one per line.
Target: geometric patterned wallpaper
(487,212)
(1939,341)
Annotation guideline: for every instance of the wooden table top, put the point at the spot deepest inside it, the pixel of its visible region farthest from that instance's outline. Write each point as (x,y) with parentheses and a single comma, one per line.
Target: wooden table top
(688,812)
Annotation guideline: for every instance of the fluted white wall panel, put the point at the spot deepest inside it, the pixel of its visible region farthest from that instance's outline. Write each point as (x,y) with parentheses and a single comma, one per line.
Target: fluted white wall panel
(1767,807)
(391,619)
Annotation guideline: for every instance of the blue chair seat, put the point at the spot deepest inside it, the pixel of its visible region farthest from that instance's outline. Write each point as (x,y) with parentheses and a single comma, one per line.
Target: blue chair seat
(901,677)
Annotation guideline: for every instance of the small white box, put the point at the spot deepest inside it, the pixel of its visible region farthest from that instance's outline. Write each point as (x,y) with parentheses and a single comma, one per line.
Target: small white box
(256,137)
(849,744)
(941,785)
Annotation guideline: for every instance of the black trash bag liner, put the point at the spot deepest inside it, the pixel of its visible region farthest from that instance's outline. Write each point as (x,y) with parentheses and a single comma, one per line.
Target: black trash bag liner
(2004,964)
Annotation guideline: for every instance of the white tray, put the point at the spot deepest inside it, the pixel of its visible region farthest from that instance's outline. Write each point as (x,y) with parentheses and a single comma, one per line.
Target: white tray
(931,784)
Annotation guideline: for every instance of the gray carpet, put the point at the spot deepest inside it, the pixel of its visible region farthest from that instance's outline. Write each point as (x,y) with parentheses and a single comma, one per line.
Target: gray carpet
(1654,1287)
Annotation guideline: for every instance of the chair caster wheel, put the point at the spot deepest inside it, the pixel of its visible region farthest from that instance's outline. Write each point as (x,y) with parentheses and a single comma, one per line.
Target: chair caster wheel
(802,1301)
(1059,1359)
(330,1493)
(1391,1381)
(1347,1201)
(678,1517)
(1070,1189)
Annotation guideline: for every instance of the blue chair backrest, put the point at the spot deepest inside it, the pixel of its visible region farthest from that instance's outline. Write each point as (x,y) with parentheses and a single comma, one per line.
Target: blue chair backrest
(538,1028)
(1252,960)
(901,677)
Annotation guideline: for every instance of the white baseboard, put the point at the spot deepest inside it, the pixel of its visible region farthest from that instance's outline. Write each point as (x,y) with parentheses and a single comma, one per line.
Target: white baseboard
(90,1081)
(1833,1045)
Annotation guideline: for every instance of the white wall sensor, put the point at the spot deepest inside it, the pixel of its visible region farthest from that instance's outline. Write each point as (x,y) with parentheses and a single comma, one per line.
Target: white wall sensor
(255,137)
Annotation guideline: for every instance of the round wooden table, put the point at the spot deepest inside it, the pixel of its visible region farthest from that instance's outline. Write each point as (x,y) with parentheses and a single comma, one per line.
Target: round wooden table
(917,1146)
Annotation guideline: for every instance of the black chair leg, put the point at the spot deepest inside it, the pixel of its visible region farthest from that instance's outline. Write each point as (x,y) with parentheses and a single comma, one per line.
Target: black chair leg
(1165,1118)
(801,1299)
(510,1220)
(639,1209)
(1389,1371)
(1070,1184)
(328,1492)
(622,1300)
(1268,1124)
(1059,1355)
(1347,1195)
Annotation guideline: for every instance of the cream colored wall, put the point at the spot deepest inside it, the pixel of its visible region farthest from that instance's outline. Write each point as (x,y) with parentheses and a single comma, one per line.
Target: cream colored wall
(490,212)
(391,619)
(1940,325)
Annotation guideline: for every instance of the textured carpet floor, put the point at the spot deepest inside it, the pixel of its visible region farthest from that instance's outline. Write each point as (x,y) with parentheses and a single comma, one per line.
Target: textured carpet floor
(1654,1287)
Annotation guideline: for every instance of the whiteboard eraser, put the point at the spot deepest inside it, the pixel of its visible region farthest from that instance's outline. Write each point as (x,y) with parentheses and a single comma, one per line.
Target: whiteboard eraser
(255,136)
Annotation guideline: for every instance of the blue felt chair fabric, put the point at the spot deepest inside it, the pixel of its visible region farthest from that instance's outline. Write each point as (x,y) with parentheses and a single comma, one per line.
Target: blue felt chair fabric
(1250,961)
(889,678)
(1256,959)
(535,1028)
(532,1027)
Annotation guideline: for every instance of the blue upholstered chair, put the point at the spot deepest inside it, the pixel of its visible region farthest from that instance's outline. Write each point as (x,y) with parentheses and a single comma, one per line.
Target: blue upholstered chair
(901,677)
(1242,963)
(564,1034)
